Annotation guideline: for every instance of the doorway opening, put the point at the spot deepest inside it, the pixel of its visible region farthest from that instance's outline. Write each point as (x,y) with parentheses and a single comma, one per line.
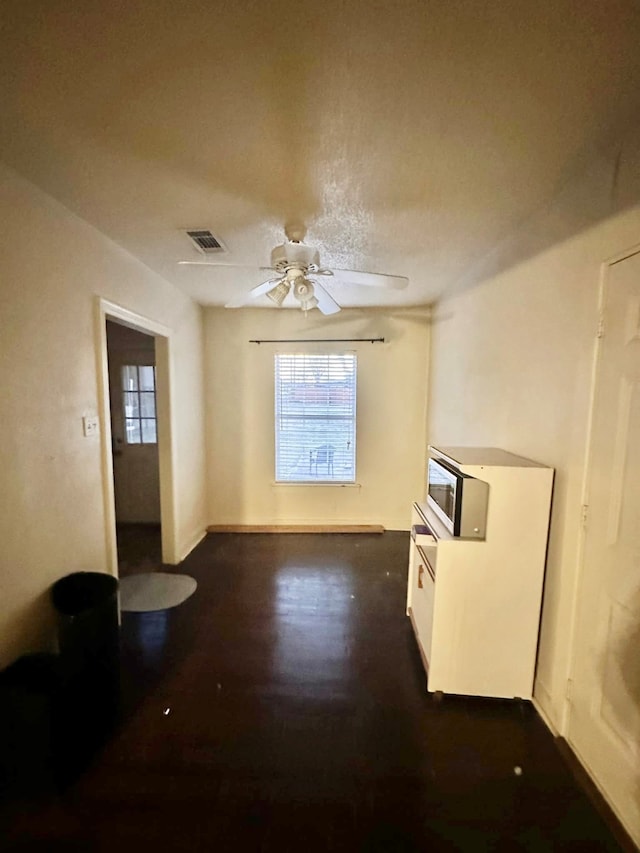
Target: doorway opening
(133,356)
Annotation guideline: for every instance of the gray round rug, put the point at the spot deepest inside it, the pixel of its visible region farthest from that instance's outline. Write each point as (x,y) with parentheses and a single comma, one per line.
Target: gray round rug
(142,593)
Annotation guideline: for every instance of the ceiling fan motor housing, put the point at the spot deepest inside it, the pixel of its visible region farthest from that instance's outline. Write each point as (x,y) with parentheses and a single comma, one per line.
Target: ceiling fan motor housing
(291,254)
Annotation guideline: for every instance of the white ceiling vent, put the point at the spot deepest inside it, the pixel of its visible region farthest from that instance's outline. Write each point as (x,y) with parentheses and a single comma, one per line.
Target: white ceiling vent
(205,242)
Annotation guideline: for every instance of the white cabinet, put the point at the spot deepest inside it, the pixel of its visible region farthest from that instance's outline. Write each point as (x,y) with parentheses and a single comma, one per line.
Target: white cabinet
(475,604)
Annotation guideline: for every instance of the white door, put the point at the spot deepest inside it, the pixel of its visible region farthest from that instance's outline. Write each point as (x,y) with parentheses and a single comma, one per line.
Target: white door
(132,389)
(604,721)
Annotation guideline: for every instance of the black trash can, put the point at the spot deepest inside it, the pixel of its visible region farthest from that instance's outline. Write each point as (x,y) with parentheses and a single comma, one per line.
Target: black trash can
(86,605)
(31,691)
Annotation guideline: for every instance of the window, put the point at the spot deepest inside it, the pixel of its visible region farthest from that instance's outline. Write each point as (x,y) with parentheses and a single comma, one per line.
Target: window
(315,418)
(139,403)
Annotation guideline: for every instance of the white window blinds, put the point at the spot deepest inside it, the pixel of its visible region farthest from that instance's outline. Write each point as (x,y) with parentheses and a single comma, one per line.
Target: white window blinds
(315,417)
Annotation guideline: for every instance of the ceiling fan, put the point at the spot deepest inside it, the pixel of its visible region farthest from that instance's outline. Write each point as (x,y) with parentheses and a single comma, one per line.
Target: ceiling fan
(298,269)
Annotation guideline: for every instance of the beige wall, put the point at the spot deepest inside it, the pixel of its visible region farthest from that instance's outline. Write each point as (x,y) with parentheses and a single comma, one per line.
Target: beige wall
(512,367)
(240,416)
(52,266)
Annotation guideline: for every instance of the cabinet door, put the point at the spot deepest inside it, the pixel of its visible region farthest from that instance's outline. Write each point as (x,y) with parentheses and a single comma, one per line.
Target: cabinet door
(423,598)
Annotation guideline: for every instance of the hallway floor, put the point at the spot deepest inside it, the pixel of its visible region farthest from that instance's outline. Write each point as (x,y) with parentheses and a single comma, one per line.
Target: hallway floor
(283,708)
(139,548)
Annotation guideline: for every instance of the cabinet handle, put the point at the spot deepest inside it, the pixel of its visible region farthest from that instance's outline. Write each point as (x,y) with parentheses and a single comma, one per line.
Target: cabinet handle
(420,572)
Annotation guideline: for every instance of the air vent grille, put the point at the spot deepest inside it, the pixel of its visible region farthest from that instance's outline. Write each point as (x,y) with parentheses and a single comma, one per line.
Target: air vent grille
(205,241)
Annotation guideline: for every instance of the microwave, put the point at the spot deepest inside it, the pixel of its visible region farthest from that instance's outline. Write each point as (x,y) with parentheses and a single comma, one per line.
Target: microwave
(458,500)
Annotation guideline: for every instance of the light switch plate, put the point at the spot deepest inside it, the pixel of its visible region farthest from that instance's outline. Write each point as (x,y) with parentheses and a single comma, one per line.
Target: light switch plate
(90,426)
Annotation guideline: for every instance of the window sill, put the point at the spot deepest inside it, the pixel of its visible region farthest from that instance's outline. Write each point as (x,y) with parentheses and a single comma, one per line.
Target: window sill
(334,483)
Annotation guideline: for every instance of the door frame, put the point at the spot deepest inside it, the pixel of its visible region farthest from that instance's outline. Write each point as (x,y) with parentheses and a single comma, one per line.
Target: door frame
(106,310)
(605,265)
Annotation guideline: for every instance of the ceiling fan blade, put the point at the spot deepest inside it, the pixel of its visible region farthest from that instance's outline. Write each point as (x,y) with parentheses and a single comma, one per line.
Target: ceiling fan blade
(222,264)
(371,279)
(254,293)
(326,303)
(323,272)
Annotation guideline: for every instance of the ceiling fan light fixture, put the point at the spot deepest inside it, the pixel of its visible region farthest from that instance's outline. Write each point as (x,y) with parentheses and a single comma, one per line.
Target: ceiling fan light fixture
(279,293)
(304,293)
(302,289)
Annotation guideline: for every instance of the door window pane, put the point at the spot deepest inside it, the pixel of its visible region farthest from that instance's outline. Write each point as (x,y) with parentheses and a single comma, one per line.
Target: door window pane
(131,404)
(139,403)
(147,378)
(149,431)
(148,404)
(133,430)
(130,378)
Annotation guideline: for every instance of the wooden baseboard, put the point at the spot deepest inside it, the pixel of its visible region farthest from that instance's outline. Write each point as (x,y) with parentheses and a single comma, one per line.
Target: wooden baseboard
(295,528)
(196,539)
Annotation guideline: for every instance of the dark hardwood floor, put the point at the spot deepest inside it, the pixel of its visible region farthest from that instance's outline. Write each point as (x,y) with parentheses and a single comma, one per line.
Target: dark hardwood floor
(283,708)
(139,548)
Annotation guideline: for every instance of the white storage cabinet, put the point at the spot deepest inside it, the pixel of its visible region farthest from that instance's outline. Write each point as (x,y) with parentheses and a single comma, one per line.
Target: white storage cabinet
(475,604)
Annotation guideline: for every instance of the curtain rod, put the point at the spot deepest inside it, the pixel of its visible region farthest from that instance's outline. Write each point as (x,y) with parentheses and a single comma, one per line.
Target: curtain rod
(320,341)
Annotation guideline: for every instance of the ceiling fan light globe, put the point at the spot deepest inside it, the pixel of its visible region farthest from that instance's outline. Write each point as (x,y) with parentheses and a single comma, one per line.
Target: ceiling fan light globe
(303,289)
(279,293)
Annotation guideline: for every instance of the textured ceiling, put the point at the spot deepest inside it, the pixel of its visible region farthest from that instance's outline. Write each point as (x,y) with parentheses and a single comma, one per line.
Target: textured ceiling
(406,137)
